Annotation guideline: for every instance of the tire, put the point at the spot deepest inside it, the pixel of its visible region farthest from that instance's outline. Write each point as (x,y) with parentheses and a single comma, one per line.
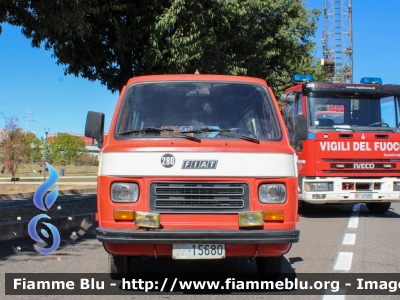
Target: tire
(378,207)
(118,266)
(269,266)
(303,207)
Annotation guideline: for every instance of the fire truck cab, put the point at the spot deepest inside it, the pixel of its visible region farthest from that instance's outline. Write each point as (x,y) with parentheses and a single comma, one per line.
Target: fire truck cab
(197,167)
(352,153)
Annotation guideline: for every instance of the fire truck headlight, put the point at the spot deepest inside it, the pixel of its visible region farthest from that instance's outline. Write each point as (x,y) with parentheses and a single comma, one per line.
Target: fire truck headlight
(147,220)
(316,186)
(272,193)
(396,186)
(124,192)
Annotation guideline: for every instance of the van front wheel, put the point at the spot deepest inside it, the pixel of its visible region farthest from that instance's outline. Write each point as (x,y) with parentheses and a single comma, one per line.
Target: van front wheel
(118,266)
(270,266)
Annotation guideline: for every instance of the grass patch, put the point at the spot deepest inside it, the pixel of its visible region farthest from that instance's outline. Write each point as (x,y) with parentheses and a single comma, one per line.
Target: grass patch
(35,179)
(28,170)
(31,188)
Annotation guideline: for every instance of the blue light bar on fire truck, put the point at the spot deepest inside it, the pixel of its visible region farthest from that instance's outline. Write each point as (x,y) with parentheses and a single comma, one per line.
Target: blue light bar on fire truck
(300,78)
(371,80)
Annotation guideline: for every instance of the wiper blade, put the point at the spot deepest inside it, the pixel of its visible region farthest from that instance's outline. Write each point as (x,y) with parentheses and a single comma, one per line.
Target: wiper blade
(155,129)
(367,128)
(144,130)
(349,128)
(223,131)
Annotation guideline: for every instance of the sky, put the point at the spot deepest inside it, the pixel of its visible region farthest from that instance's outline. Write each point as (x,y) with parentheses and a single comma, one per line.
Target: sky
(34,89)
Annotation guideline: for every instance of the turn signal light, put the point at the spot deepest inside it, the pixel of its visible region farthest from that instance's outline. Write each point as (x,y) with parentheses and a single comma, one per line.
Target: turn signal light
(273,215)
(124,215)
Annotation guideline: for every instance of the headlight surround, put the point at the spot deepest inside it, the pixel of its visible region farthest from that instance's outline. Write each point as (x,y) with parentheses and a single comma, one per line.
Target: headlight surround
(124,192)
(272,193)
(316,186)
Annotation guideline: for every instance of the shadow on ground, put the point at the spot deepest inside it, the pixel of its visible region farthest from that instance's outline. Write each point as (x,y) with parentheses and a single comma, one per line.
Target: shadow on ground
(308,210)
(23,247)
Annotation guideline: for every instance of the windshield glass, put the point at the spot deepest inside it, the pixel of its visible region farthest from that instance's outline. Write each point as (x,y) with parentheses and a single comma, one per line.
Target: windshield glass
(201,109)
(332,112)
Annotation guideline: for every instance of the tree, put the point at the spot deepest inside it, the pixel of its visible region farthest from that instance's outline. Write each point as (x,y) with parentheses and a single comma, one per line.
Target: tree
(64,148)
(13,145)
(88,160)
(111,41)
(35,147)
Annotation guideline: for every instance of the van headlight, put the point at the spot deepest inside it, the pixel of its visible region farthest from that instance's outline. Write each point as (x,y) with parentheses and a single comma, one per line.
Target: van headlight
(124,192)
(272,193)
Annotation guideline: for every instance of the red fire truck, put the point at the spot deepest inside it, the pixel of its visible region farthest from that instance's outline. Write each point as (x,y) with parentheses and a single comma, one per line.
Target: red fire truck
(352,153)
(197,167)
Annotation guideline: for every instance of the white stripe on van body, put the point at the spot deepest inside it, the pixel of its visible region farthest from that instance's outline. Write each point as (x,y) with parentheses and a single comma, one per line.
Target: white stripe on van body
(229,164)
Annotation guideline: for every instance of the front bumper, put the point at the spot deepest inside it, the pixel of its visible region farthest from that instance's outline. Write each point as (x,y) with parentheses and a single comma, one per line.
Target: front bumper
(384,193)
(196,236)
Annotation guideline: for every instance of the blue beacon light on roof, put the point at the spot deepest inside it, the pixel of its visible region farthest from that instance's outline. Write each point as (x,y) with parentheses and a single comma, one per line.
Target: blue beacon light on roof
(371,80)
(302,77)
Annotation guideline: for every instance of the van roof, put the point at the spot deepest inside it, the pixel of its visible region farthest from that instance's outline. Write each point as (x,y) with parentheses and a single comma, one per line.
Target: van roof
(195,77)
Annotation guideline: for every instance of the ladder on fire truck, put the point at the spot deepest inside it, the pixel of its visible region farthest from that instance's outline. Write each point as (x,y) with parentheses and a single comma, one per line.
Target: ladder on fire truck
(337,41)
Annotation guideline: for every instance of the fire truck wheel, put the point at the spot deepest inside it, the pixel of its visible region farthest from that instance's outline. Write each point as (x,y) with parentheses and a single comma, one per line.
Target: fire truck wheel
(378,207)
(271,266)
(118,265)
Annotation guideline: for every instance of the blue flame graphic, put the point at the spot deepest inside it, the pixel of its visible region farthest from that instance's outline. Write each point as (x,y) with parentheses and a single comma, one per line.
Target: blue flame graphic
(44,187)
(32,232)
(49,201)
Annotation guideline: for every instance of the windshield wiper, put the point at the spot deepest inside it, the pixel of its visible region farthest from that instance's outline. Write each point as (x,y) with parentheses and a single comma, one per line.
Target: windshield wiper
(154,129)
(349,128)
(227,132)
(367,128)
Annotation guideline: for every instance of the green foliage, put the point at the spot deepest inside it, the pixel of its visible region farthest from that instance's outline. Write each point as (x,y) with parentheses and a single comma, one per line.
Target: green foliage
(35,147)
(111,41)
(319,72)
(64,149)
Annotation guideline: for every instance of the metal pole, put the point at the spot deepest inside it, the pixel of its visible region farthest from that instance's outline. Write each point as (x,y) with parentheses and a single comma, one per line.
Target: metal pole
(46,131)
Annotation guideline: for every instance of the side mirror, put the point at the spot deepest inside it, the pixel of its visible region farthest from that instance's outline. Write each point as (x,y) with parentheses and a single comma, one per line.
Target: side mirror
(95,126)
(288,97)
(297,126)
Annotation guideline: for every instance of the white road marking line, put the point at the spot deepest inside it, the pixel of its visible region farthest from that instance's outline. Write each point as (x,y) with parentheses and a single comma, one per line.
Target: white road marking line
(349,239)
(353,222)
(333,297)
(343,262)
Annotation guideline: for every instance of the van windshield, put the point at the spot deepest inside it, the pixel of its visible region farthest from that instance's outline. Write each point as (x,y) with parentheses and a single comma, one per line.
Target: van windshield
(200,109)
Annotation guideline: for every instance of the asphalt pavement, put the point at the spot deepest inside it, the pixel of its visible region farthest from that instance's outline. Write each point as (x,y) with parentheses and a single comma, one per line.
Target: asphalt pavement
(72,208)
(372,251)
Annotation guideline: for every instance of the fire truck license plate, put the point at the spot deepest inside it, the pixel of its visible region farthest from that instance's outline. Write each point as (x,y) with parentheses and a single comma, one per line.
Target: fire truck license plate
(198,251)
(361,196)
